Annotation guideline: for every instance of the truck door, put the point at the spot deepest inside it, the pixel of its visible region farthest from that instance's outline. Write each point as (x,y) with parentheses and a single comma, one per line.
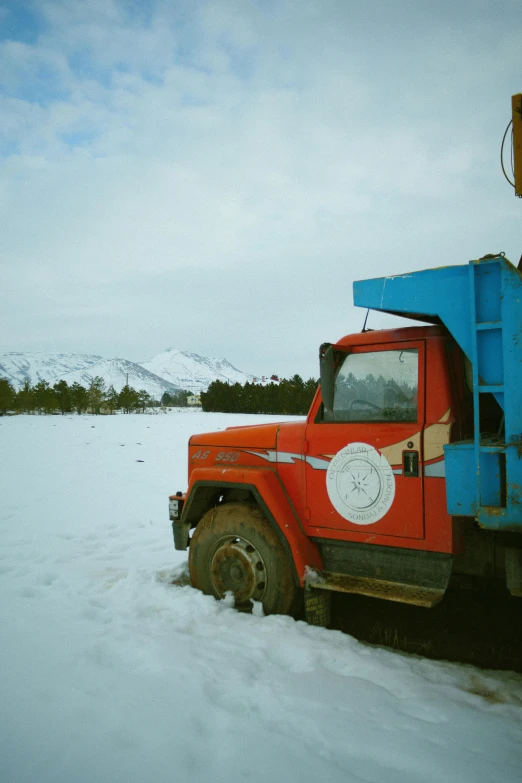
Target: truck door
(364,458)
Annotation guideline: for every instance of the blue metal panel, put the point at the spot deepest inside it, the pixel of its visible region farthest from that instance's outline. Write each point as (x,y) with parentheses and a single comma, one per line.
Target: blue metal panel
(441,294)
(492,478)
(461,479)
(487,292)
(511,297)
(490,363)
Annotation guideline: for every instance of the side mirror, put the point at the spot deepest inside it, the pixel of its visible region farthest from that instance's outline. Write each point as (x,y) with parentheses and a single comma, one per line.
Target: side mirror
(327,366)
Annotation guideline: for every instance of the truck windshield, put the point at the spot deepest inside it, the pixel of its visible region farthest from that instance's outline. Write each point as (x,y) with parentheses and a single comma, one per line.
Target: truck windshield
(377,386)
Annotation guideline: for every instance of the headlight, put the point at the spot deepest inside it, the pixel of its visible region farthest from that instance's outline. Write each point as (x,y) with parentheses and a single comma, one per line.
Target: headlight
(175,506)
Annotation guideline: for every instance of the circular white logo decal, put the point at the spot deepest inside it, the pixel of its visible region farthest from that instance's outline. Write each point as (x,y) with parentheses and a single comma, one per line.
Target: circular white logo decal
(360,484)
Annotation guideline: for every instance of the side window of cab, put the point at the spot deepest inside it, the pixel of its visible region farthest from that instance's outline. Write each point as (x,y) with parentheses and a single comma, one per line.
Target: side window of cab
(375,386)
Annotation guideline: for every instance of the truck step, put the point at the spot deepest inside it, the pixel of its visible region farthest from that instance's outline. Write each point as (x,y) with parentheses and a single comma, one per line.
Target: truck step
(378,588)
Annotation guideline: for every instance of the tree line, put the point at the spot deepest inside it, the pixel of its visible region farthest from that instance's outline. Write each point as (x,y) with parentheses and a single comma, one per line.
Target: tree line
(61,398)
(289,396)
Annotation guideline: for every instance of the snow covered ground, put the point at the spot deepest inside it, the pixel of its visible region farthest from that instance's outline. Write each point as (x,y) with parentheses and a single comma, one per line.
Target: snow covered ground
(110,673)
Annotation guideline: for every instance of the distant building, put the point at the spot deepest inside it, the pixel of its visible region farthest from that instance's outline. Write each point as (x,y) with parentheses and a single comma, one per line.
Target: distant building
(194,399)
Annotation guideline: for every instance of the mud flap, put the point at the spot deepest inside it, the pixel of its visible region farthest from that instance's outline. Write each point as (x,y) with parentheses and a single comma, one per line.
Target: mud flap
(318,606)
(514,571)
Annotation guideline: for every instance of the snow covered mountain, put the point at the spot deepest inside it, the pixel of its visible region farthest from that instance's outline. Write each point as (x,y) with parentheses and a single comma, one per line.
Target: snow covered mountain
(193,372)
(119,372)
(33,367)
(170,370)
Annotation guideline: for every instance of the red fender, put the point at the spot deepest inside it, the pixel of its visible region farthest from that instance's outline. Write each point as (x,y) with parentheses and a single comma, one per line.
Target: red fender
(272,498)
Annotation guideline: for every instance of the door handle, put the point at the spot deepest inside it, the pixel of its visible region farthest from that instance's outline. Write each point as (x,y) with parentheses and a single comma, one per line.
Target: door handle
(410,464)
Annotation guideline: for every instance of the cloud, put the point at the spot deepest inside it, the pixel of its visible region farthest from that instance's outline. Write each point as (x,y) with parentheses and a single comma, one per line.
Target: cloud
(213,175)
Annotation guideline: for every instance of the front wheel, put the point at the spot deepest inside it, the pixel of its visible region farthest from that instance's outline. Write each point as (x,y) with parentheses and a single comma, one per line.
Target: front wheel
(234,549)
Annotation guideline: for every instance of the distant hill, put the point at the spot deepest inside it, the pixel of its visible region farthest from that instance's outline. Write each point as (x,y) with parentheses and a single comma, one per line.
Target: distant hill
(119,372)
(193,372)
(169,371)
(33,367)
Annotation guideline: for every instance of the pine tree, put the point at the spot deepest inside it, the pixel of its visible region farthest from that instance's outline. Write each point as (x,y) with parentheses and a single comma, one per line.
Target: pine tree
(45,398)
(79,397)
(128,399)
(25,398)
(96,393)
(289,397)
(144,399)
(7,396)
(63,395)
(309,392)
(111,399)
(177,399)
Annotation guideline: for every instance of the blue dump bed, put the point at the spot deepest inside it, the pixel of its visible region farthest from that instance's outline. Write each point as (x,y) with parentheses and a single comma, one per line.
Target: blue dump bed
(480,304)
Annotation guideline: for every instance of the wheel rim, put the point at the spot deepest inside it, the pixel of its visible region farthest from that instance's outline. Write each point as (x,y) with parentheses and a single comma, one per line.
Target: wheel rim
(237,566)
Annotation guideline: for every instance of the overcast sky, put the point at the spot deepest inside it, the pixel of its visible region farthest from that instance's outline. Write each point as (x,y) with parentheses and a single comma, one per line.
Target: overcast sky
(213,176)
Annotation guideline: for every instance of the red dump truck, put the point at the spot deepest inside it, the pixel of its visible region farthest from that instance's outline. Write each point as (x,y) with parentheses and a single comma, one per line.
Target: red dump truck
(406,472)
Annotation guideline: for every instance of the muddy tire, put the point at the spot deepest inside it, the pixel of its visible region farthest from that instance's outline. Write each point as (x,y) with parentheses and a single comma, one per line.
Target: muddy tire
(235,549)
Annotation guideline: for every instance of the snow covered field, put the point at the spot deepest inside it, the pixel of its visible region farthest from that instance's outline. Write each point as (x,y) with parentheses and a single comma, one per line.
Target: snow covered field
(110,673)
